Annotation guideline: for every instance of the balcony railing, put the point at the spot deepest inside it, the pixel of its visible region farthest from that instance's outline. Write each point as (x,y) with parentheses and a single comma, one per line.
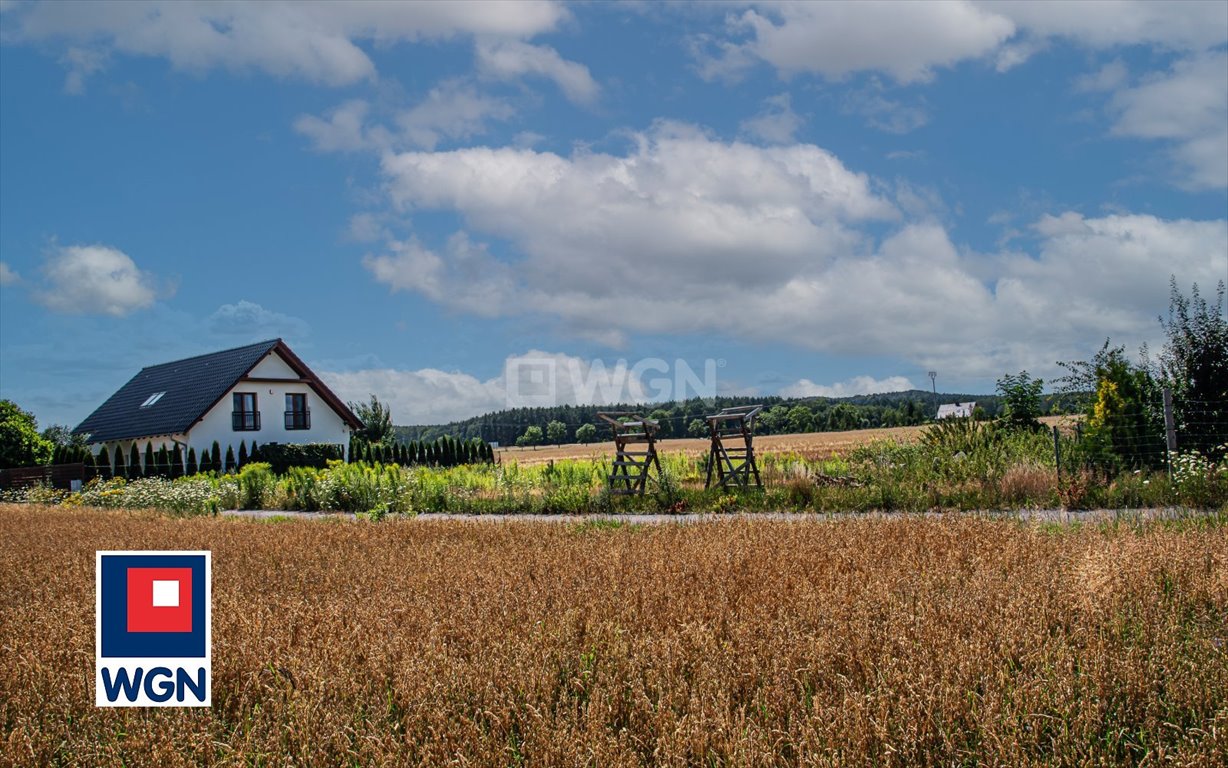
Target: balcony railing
(298,419)
(245,421)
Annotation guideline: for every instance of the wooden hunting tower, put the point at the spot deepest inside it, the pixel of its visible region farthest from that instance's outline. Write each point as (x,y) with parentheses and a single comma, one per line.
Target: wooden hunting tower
(732,456)
(632,465)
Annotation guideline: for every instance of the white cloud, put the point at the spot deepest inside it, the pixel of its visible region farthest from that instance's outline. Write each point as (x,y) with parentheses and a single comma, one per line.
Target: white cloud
(246,318)
(909,41)
(687,234)
(451,110)
(8,275)
(344,130)
(1189,107)
(466,278)
(1174,24)
(315,41)
(1109,77)
(776,123)
(905,40)
(510,59)
(431,396)
(95,279)
(679,218)
(858,385)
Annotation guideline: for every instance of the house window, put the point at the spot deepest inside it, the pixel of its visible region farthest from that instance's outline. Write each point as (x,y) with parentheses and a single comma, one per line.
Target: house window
(155,397)
(245,417)
(297,415)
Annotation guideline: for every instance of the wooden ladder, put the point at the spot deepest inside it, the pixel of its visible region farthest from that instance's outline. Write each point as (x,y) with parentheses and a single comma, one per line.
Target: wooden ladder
(635,451)
(734,465)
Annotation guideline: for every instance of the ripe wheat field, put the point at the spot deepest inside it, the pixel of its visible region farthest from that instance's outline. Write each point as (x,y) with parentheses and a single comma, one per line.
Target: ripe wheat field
(752,643)
(809,445)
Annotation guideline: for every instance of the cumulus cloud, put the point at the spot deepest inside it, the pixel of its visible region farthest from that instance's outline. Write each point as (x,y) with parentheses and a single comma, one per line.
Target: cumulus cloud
(1176,24)
(466,277)
(510,59)
(858,385)
(315,41)
(432,396)
(246,318)
(907,41)
(451,110)
(910,41)
(343,129)
(1187,106)
(8,275)
(684,234)
(776,123)
(95,279)
(454,109)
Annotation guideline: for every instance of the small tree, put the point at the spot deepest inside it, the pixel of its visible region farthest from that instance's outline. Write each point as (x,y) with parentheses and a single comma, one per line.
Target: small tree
(532,436)
(697,428)
(586,433)
(230,460)
(120,470)
(215,458)
(191,467)
(102,463)
(1021,396)
(242,454)
(20,443)
(134,463)
(556,431)
(177,462)
(376,420)
(1194,364)
(163,459)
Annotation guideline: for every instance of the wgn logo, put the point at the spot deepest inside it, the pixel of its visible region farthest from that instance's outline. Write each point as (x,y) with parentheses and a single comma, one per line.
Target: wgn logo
(152,629)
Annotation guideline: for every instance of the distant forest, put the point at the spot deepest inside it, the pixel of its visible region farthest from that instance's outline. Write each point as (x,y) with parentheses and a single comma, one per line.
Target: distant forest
(678,419)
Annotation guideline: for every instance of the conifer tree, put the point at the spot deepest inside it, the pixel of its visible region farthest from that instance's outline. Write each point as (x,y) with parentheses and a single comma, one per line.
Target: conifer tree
(242,453)
(147,466)
(119,463)
(215,458)
(163,459)
(176,462)
(230,459)
(191,467)
(134,463)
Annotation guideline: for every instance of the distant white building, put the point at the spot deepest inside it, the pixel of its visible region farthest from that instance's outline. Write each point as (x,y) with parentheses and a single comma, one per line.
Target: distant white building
(262,392)
(956,410)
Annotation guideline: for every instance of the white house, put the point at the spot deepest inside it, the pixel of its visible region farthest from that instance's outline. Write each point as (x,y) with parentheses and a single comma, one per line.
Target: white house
(956,410)
(259,393)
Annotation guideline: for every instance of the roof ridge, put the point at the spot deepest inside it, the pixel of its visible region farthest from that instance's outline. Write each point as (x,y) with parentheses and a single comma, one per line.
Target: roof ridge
(268,343)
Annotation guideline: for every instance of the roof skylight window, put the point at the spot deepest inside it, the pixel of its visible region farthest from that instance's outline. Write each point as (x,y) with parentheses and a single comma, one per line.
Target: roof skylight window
(155,397)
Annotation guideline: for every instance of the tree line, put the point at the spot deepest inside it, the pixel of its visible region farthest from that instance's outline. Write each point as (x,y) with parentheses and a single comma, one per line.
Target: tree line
(579,423)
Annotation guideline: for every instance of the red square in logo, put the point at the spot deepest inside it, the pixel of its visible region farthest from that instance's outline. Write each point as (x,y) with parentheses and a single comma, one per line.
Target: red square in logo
(159,599)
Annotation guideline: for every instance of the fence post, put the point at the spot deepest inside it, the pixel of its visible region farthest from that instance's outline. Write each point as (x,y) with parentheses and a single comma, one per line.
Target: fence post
(1057,455)
(1170,429)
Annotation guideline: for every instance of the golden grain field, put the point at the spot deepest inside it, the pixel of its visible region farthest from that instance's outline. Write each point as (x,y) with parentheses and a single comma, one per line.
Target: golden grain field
(861,642)
(809,445)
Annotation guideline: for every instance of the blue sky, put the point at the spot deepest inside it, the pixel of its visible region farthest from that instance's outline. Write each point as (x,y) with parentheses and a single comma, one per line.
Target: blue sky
(826,198)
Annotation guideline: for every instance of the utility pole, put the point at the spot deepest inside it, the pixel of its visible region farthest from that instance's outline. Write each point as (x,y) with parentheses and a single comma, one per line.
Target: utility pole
(934,381)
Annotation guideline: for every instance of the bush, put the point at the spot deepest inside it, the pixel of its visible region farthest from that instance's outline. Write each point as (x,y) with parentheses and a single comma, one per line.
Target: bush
(282,457)
(257,484)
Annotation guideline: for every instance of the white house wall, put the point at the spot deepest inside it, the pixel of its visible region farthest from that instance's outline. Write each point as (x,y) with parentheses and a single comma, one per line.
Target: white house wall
(326,425)
(273,367)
